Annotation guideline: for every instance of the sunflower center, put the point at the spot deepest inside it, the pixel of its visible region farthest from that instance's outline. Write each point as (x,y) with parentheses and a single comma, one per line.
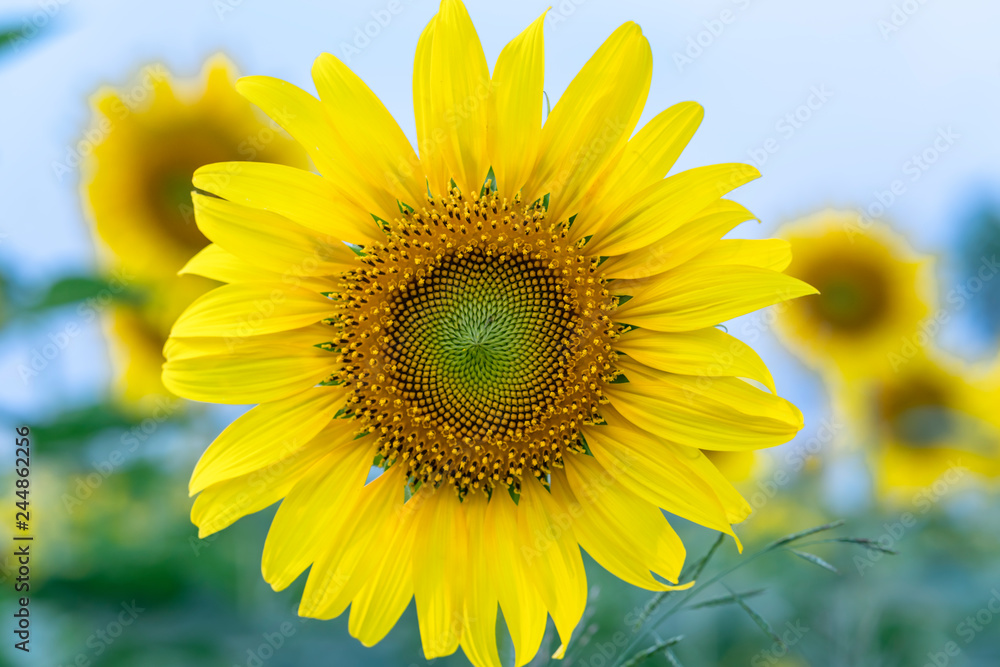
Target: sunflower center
(476,342)
(478,347)
(851,298)
(917,412)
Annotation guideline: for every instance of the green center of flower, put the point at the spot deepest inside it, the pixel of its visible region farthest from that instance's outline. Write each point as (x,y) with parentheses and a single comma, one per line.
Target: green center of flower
(476,342)
(478,346)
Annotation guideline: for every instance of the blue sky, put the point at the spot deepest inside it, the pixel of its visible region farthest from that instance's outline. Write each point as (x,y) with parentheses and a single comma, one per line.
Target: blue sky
(873,84)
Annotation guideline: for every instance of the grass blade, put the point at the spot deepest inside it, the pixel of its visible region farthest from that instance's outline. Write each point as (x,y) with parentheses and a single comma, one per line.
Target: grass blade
(686,575)
(727,599)
(815,560)
(804,533)
(757,618)
(648,653)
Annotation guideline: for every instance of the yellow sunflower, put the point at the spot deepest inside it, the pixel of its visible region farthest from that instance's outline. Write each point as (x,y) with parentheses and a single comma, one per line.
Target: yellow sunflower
(932,420)
(147,140)
(450,320)
(875,295)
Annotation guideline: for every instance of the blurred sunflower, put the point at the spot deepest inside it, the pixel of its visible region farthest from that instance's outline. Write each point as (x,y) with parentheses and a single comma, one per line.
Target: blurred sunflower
(470,343)
(929,416)
(148,139)
(874,294)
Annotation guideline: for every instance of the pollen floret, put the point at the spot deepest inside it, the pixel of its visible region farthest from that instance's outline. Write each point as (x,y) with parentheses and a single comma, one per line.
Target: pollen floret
(476,341)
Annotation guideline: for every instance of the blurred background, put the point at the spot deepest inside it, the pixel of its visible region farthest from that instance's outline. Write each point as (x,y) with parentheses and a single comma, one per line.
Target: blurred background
(874,126)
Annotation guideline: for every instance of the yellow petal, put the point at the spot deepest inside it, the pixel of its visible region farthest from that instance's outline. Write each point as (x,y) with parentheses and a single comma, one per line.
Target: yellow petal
(459,91)
(271,241)
(645,159)
(773,254)
(218,264)
(704,353)
(479,618)
(722,415)
(255,346)
(625,534)
(687,241)
(688,298)
(223,503)
(302,526)
(253,375)
(652,152)
(344,563)
(267,433)
(429,134)
(522,605)
(737,394)
(552,556)
(515,108)
(370,134)
(439,569)
(645,466)
(301,196)
(251,309)
(592,120)
(677,478)
(664,206)
(382,599)
(307,121)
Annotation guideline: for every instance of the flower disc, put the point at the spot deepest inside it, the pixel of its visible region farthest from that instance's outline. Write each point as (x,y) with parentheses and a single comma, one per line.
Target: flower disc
(476,341)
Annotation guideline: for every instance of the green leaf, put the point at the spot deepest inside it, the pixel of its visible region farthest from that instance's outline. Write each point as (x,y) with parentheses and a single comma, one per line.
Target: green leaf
(815,560)
(10,35)
(489,185)
(77,289)
(70,428)
(757,618)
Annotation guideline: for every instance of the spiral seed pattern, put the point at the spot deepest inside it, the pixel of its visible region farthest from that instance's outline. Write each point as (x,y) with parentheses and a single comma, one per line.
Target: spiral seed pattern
(475,341)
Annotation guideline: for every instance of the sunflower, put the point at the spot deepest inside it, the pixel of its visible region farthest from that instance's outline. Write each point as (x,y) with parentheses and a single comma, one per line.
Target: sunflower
(506,327)
(147,140)
(932,420)
(875,295)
